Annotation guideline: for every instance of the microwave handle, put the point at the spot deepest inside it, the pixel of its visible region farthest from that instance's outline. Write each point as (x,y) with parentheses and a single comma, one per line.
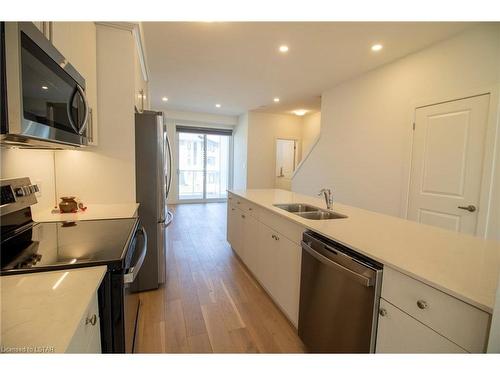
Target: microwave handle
(68,111)
(130,276)
(86,116)
(86,103)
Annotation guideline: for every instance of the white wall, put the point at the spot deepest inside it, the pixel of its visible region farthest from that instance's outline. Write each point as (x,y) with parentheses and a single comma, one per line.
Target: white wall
(311,125)
(263,130)
(38,165)
(240,142)
(201,118)
(364,148)
(174,118)
(106,173)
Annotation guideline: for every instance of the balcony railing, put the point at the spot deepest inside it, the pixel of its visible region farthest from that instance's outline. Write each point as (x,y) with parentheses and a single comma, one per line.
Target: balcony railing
(191,184)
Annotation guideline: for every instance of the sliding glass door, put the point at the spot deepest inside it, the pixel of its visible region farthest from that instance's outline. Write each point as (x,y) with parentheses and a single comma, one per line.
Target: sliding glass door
(204,161)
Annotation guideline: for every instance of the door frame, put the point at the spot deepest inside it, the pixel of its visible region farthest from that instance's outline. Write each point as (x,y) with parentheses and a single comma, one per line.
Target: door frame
(296,161)
(492,141)
(175,180)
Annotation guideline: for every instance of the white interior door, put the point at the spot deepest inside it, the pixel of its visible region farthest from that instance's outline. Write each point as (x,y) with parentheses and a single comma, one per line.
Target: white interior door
(447,163)
(285,162)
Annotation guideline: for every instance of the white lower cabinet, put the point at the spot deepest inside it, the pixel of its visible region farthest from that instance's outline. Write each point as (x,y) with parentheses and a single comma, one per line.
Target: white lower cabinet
(267,259)
(272,258)
(417,318)
(278,270)
(250,228)
(398,332)
(87,337)
(288,258)
(231,227)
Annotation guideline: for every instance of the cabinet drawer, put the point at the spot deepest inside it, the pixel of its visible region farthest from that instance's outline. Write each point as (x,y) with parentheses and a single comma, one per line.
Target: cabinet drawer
(283,226)
(251,208)
(87,336)
(244,205)
(460,322)
(399,333)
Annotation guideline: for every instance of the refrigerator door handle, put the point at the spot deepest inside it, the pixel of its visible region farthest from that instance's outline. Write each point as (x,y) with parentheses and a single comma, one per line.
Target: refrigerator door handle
(170,161)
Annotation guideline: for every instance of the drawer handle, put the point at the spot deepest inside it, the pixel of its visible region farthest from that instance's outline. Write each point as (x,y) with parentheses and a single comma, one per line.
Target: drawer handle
(382,312)
(232,209)
(249,208)
(275,237)
(238,202)
(243,216)
(91,321)
(422,304)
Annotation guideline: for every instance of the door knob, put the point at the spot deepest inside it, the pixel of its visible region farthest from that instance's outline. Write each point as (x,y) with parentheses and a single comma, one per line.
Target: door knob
(470,208)
(92,320)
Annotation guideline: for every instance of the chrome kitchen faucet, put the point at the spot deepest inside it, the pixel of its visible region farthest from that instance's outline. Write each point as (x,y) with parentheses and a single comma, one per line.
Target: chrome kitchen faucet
(328,197)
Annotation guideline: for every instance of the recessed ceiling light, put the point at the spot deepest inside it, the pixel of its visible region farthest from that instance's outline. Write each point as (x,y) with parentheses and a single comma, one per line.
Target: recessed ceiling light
(165,99)
(276,100)
(377,47)
(300,112)
(284,48)
(217,105)
(45,87)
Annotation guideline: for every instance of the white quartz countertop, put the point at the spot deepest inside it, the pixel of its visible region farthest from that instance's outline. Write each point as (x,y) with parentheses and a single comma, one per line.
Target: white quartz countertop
(41,311)
(93,212)
(461,265)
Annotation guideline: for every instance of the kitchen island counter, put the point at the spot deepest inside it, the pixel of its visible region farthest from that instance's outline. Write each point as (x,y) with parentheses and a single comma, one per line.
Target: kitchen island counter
(463,266)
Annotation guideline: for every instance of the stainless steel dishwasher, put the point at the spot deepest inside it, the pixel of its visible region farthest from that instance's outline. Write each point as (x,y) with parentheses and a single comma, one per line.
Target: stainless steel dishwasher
(339,296)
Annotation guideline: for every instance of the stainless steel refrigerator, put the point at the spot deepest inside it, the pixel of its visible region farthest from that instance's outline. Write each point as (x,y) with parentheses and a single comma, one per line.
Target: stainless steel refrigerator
(153,171)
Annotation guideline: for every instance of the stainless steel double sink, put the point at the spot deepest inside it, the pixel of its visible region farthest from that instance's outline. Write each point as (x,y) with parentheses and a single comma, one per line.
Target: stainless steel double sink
(310,212)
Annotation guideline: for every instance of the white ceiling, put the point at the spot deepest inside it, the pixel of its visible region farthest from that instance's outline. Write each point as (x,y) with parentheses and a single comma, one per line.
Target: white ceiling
(199,64)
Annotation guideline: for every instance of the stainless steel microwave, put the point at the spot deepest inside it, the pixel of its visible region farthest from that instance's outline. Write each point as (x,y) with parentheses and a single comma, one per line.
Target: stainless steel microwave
(43,103)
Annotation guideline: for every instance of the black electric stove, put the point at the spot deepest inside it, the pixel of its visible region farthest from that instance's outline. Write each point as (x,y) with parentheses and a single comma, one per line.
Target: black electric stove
(119,244)
(51,246)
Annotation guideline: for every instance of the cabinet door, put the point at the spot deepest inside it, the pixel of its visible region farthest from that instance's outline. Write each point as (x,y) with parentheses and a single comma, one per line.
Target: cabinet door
(289,256)
(87,337)
(266,259)
(398,332)
(230,224)
(238,226)
(250,235)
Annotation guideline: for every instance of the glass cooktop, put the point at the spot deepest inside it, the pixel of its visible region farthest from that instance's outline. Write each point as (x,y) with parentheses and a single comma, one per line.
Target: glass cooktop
(44,246)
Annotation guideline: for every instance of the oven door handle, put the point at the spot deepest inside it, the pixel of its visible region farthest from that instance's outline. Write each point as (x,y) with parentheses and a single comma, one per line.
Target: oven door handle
(130,276)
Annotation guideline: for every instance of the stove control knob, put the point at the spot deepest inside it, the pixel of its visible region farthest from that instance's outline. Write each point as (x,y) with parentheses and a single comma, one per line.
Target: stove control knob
(19,192)
(26,190)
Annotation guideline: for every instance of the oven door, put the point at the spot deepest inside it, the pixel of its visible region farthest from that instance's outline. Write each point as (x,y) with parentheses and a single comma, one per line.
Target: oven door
(46,95)
(131,303)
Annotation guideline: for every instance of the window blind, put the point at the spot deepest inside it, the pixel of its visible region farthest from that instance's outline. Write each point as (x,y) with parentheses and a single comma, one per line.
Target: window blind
(203,130)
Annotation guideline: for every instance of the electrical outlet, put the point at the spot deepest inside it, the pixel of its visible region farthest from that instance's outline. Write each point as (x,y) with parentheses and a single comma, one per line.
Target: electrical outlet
(39,184)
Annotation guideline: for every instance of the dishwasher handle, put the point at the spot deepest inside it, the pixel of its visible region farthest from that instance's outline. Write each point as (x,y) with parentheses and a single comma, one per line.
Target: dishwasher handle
(361,279)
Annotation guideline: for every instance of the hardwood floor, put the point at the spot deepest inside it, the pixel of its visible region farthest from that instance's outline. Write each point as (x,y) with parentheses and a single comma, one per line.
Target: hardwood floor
(210,302)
